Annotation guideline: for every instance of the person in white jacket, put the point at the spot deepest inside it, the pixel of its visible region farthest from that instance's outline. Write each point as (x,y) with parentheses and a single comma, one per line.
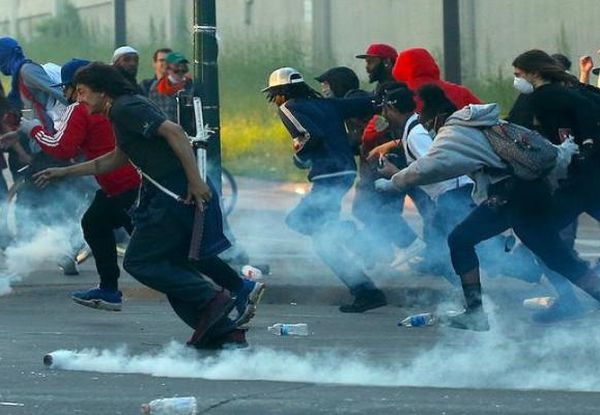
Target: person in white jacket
(504,202)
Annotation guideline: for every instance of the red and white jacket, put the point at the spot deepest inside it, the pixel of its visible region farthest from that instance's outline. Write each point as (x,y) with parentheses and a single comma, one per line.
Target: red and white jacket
(80,132)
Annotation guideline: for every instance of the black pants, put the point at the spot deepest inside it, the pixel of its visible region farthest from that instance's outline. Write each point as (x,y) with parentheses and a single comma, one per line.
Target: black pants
(524,207)
(103,216)
(157,256)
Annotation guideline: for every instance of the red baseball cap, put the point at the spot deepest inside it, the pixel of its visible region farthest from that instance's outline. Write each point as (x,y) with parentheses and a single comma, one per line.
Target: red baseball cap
(379,50)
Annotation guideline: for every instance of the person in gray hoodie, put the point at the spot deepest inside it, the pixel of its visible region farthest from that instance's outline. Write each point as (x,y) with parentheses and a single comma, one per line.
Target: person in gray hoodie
(504,202)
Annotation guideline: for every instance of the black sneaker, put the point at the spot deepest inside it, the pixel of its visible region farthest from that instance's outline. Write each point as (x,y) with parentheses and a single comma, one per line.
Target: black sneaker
(475,320)
(367,300)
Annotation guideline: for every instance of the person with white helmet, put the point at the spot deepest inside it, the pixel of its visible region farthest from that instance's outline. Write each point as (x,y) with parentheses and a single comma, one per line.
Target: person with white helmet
(321,145)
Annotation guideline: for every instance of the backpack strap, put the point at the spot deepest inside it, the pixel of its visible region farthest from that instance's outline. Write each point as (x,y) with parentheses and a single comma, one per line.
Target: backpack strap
(158,185)
(412,125)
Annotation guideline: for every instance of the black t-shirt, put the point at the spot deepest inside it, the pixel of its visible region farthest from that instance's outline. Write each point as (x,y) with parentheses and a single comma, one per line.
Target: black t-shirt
(136,120)
(558,107)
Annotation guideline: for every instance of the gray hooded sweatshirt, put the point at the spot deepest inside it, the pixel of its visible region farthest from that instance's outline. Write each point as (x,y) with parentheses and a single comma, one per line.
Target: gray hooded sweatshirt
(459,148)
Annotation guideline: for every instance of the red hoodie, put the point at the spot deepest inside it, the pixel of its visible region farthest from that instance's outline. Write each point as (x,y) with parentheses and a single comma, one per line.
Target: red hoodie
(416,67)
(92,135)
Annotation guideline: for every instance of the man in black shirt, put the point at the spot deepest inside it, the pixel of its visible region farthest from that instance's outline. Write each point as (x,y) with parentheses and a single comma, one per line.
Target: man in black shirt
(178,226)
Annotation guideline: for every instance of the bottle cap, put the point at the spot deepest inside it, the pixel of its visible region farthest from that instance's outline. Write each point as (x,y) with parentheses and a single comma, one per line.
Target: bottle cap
(48,360)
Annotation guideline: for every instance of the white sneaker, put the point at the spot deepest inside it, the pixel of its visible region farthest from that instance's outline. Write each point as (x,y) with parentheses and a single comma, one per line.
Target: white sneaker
(407,253)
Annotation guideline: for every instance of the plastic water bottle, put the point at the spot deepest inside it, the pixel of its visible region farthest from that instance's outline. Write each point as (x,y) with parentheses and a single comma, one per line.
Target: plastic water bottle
(171,406)
(418,320)
(251,272)
(284,329)
(539,303)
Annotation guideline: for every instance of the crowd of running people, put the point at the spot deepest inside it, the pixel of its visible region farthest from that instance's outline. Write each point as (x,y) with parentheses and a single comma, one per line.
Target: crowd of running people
(471,175)
(476,180)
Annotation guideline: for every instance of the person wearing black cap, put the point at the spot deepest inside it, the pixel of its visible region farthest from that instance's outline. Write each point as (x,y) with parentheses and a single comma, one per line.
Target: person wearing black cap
(336,82)
(91,135)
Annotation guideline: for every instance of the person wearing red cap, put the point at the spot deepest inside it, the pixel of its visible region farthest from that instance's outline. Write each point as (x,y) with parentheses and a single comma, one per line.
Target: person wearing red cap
(379,60)
(380,212)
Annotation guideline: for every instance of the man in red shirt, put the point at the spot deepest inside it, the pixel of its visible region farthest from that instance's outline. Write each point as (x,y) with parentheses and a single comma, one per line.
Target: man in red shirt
(91,135)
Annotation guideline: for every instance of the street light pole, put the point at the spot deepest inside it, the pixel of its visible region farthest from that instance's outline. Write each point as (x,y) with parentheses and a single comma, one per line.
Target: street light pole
(120,25)
(206,80)
(451,18)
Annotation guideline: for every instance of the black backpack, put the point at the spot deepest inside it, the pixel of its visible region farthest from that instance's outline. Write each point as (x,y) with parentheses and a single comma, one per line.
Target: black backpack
(528,154)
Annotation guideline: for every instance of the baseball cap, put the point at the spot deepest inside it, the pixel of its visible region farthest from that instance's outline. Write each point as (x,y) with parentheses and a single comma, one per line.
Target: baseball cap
(67,72)
(283,76)
(176,57)
(123,50)
(379,50)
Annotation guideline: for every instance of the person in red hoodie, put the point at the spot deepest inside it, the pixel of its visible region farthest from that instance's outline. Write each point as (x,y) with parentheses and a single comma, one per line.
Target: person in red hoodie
(91,135)
(416,67)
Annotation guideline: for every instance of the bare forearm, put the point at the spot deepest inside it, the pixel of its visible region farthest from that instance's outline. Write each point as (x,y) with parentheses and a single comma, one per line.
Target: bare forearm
(103,164)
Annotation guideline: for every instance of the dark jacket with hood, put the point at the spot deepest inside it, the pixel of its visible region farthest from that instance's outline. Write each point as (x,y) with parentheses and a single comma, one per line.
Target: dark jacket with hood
(319,133)
(416,67)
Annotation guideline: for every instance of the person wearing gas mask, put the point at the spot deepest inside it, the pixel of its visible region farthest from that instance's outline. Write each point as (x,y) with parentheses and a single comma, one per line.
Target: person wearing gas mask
(504,201)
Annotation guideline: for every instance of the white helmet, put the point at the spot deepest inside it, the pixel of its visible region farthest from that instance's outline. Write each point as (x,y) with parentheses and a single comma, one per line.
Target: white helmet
(284,76)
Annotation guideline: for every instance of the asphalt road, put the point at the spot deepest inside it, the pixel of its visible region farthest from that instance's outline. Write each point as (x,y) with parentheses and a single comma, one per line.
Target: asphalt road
(339,368)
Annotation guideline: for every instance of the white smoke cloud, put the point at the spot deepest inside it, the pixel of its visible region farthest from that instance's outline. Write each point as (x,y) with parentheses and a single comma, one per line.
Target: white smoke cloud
(563,358)
(25,257)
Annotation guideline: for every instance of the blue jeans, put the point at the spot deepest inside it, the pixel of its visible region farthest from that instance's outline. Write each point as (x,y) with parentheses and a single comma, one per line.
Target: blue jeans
(318,216)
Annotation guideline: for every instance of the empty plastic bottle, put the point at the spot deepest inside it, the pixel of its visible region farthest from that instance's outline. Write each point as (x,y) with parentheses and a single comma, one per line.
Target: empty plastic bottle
(252,273)
(284,329)
(419,320)
(171,406)
(539,303)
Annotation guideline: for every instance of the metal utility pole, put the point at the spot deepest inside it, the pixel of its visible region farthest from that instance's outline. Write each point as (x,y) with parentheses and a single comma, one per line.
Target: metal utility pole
(451,41)
(206,80)
(120,26)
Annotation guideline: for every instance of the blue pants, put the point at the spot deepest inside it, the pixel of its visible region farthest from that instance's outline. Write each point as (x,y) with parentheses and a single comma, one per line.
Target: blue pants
(318,216)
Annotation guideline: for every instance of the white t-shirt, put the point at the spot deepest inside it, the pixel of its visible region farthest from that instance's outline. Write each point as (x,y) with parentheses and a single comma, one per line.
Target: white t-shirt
(416,143)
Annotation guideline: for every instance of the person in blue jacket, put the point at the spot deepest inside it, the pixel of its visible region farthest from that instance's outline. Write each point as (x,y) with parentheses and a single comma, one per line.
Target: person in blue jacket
(321,145)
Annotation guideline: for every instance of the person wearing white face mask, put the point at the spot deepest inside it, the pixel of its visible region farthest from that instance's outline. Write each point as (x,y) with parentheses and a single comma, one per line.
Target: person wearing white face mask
(561,108)
(522,112)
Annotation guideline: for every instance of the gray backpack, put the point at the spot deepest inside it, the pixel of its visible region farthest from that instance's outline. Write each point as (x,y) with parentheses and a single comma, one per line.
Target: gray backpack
(528,154)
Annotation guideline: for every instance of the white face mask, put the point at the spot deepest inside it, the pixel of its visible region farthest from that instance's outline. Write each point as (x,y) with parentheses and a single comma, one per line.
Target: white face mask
(523,85)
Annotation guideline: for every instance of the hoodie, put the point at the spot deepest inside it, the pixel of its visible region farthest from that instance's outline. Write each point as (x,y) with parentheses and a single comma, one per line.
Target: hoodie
(416,67)
(459,148)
